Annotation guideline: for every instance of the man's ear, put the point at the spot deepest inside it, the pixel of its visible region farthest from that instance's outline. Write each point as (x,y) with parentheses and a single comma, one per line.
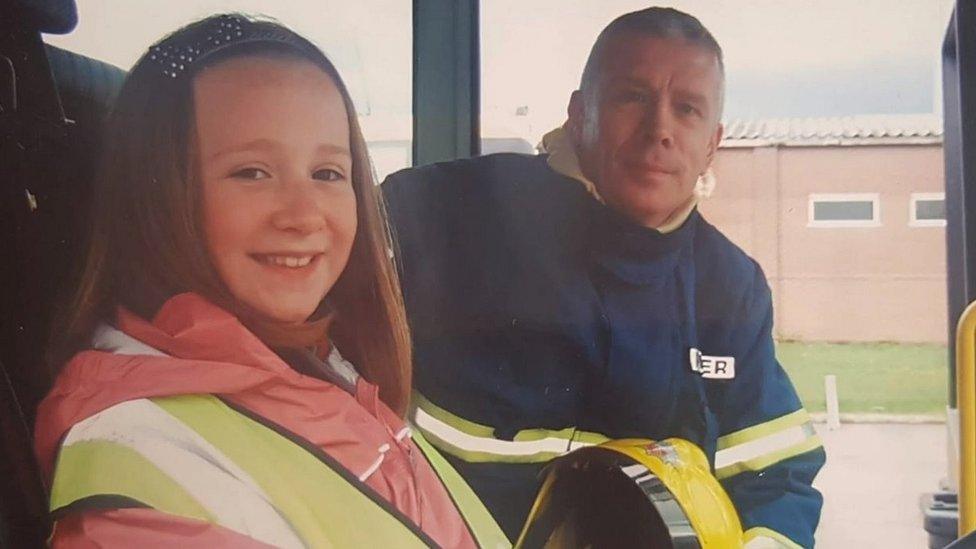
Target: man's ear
(576,115)
(714,142)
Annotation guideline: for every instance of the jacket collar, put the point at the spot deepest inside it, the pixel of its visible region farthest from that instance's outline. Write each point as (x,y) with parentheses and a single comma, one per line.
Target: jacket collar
(637,254)
(188,326)
(190,347)
(563,160)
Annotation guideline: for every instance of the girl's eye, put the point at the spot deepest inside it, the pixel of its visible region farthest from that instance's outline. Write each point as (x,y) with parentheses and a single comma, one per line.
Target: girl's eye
(327,174)
(250,174)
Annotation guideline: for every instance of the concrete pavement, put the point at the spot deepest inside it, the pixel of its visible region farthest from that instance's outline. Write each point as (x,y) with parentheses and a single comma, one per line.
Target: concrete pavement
(872,481)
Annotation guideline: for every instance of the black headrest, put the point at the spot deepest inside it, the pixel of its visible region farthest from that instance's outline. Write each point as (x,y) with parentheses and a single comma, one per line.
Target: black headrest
(50,16)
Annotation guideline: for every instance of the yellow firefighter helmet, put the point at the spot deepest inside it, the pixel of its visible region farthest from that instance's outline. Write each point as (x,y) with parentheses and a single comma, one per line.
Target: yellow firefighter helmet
(632,493)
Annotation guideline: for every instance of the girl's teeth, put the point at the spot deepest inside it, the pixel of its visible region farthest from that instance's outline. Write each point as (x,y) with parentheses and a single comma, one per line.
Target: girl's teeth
(288,261)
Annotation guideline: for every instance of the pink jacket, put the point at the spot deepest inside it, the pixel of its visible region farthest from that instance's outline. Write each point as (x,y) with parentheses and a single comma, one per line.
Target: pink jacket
(210,352)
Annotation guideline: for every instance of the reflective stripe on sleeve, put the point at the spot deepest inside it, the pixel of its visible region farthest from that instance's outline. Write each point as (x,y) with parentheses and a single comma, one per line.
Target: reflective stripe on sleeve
(760,446)
(764,538)
(475,443)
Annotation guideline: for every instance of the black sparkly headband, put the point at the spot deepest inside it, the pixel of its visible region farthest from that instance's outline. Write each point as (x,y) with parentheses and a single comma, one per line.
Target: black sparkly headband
(180,53)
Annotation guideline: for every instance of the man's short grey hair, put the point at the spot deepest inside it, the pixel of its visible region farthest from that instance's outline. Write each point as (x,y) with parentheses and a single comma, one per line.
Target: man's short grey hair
(655,22)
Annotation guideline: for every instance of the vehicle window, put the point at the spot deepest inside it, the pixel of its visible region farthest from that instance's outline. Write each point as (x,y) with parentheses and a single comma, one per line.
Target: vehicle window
(369,41)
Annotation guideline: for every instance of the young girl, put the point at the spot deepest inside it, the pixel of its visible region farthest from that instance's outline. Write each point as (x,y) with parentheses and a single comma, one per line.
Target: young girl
(238,247)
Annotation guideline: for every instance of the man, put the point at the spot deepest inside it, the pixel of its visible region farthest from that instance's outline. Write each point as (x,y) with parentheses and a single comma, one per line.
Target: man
(561,299)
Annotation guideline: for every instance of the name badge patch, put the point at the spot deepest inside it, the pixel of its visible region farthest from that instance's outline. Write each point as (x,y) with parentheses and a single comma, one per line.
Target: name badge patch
(711,367)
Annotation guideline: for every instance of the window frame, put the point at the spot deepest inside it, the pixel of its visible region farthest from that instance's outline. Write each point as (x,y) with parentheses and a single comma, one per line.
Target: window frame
(913,220)
(874,198)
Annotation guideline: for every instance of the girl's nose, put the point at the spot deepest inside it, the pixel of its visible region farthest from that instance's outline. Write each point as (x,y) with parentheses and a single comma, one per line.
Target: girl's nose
(298,209)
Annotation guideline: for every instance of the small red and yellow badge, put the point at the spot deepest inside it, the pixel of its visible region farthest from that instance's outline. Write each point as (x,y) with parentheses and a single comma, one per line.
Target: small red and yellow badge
(664,452)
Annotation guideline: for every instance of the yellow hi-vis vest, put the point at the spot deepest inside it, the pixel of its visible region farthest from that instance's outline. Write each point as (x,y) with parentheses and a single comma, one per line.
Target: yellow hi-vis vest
(194,456)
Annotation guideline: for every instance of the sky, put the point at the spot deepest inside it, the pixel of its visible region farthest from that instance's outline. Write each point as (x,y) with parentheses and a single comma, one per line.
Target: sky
(784,58)
(369,40)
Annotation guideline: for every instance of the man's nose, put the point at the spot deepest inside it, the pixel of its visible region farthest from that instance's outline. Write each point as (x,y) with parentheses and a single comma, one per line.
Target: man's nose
(658,123)
(298,209)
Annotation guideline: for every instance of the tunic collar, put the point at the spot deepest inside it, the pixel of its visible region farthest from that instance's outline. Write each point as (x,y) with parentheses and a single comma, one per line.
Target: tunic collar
(563,160)
(636,254)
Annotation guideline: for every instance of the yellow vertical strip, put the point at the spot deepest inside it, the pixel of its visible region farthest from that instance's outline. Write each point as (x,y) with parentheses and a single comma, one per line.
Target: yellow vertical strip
(966,402)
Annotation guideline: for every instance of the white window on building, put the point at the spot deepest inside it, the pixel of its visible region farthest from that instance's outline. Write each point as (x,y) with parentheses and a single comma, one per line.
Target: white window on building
(927,210)
(844,210)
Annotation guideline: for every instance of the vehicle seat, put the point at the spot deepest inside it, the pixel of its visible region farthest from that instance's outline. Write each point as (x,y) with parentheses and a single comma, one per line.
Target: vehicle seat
(52,105)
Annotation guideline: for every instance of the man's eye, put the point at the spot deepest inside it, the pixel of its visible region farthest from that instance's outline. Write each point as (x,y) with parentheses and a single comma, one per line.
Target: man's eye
(687,108)
(631,96)
(327,174)
(250,173)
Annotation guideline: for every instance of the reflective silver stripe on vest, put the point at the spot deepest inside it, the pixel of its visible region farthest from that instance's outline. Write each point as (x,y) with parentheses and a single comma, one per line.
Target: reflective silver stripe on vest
(112,340)
(225,490)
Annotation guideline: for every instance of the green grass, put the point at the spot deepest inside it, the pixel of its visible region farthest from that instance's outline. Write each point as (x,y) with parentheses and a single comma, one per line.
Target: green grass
(887,378)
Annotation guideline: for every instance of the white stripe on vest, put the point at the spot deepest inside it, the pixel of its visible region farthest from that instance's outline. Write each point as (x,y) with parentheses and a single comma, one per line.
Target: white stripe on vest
(224,489)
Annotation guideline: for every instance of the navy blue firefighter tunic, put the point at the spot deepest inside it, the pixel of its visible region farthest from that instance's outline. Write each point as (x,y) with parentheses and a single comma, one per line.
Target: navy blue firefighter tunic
(540,316)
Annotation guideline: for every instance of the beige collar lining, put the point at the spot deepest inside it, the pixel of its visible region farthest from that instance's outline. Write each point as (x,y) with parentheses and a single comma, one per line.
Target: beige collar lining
(562,159)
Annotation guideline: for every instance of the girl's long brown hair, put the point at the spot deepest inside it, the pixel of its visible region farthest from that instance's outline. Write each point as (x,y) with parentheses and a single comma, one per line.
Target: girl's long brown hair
(147,242)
